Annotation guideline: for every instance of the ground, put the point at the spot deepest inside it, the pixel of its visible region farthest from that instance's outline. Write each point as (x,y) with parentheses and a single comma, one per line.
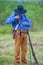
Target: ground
(7,45)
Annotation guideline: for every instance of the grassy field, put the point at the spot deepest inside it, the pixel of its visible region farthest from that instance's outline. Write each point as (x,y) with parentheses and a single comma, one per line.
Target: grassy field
(7,44)
(7,47)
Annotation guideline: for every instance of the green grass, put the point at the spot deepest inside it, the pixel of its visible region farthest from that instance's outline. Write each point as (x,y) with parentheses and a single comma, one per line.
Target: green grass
(37,36)
(10,52)
(35,14)
(6,29)
(6,60)
(7,47)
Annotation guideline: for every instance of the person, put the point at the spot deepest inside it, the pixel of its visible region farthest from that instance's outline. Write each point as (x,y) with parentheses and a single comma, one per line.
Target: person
(20,24)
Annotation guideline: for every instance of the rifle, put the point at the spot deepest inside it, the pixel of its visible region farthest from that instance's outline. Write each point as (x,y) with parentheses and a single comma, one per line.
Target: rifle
(33,53)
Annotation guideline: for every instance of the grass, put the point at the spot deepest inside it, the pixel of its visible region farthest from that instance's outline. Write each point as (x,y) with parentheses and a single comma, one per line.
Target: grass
(7,48)
(35,14)
(6,60)
(5,29)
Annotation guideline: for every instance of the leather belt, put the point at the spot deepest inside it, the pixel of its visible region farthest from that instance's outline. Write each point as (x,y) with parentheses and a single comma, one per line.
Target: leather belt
(20,31)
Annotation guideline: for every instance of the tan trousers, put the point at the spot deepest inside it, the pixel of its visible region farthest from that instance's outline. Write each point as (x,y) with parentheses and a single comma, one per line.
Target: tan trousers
(20,41)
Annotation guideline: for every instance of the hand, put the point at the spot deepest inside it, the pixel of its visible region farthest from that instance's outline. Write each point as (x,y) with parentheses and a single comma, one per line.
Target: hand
(25,23)
(17,16)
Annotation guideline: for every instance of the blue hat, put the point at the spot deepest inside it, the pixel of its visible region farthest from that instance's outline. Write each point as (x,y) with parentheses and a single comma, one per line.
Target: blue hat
(20,10)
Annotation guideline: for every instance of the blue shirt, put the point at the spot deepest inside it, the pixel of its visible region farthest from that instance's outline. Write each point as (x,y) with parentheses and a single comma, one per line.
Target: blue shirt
(11,19)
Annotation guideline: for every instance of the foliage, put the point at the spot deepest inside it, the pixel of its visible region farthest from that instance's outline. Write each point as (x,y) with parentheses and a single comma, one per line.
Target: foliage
(6,29)
(34,12)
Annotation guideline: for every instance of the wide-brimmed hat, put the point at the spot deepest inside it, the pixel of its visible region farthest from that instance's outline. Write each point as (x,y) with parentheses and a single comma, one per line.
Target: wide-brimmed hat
(20,9)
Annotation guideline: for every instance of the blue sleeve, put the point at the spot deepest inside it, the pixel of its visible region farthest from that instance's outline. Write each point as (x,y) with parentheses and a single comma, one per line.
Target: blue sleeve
(10,19)
(29,24)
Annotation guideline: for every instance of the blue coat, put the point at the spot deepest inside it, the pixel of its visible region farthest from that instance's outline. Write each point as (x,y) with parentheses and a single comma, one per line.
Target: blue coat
(11,19)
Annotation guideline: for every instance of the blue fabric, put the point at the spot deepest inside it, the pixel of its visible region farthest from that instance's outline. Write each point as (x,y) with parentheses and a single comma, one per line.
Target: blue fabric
(14,22)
